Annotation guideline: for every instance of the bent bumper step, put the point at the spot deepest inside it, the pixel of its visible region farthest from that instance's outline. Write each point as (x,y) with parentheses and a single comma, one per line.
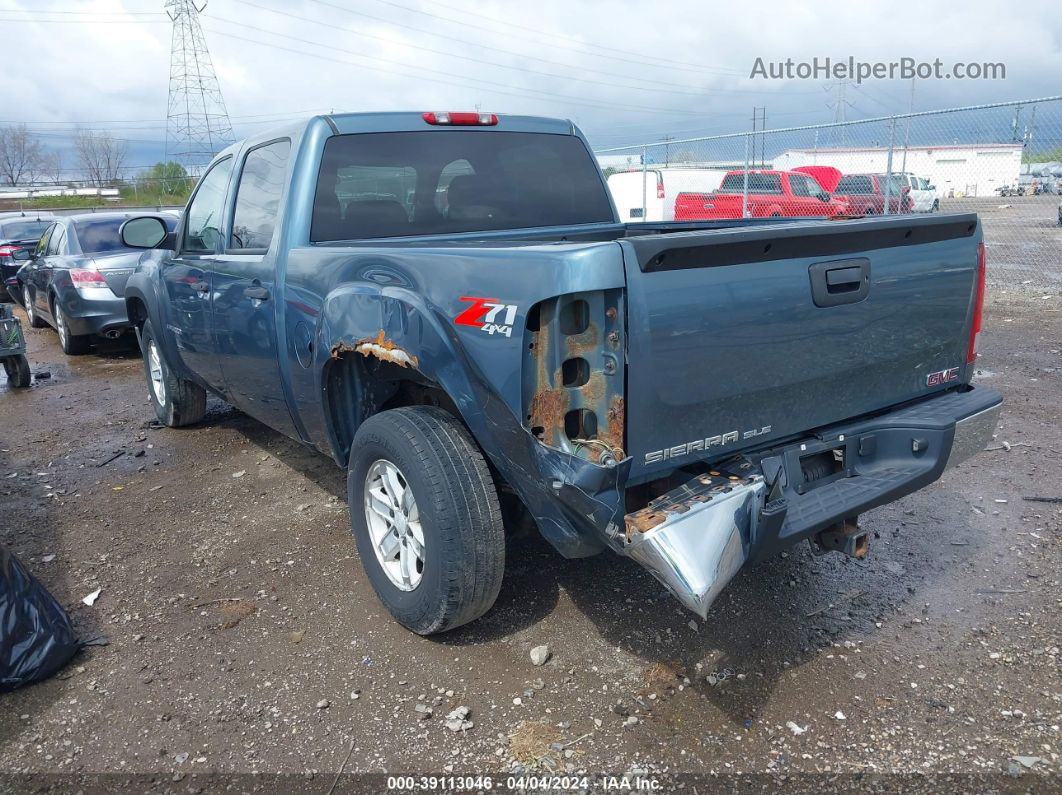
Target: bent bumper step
(695,538)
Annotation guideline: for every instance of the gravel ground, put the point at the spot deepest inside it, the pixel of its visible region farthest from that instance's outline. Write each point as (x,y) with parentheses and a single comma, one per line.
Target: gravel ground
(244,637)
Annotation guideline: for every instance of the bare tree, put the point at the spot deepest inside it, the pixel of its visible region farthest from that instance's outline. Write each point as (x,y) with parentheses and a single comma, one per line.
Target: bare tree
(20,155)
(101,157)
(51,166)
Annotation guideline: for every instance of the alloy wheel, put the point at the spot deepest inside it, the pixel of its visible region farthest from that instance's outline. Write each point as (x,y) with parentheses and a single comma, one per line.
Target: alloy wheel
(393,520)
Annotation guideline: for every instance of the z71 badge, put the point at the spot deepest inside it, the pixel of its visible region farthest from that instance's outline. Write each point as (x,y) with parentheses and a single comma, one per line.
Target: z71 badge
(488,315)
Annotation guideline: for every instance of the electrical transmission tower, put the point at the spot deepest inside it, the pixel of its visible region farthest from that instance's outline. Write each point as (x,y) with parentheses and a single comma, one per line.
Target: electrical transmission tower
(197,123)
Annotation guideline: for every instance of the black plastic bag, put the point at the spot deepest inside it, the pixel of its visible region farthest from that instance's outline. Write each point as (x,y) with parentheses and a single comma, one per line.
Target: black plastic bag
(36,637)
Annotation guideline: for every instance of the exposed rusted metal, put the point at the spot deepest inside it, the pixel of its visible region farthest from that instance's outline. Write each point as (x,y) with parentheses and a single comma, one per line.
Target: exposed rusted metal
(679,500)
(549,401)
(846,536)
(612,434)
(378,347)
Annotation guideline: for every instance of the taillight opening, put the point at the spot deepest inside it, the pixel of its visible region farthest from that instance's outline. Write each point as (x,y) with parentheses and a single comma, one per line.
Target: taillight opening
(979,305)
(87,278)
(451,118)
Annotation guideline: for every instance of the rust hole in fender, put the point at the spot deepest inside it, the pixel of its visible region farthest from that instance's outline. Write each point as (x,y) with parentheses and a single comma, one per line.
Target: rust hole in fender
(378,347)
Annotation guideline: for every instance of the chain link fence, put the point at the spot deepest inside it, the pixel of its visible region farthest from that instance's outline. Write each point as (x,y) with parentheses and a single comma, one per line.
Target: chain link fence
(1002,161)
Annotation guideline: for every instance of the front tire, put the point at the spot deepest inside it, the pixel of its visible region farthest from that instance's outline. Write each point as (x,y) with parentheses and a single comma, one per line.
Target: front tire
(177,402)
(426,519)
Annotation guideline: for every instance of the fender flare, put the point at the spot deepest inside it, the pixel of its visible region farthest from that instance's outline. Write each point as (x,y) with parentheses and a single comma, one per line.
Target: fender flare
(142,287)
(394,324)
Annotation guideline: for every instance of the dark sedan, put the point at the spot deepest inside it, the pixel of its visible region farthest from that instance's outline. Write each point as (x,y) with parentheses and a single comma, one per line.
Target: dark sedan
(76,278)
(18,232)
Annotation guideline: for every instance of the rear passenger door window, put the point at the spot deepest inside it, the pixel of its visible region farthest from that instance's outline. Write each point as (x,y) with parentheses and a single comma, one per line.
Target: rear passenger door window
(258,197)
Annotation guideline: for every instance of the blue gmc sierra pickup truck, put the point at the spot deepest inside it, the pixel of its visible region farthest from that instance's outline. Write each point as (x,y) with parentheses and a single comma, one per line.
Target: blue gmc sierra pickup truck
(447,305)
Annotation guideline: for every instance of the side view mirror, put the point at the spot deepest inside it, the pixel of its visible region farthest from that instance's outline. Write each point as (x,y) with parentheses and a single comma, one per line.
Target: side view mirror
(823,196)
(21,254)
(145,232)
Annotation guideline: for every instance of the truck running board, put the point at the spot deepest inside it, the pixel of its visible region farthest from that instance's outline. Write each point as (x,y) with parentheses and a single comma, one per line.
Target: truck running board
(695,538)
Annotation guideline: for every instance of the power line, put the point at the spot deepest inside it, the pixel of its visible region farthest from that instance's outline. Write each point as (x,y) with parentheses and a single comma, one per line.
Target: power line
(653,61)
(656,88)
(482,46)
(276,114)
(421,76)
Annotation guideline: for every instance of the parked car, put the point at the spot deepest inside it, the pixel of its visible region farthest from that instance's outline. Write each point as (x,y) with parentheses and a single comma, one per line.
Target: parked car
(770,194)
(658,188)
(865,194)
(75,278)
(923,195)
(693,396)
(19,232)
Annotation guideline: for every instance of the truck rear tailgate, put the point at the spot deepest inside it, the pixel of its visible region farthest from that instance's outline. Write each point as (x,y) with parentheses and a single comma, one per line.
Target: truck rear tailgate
(741,336)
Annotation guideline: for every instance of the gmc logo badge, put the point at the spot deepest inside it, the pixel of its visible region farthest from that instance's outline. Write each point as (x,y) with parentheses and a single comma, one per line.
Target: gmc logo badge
(942,377)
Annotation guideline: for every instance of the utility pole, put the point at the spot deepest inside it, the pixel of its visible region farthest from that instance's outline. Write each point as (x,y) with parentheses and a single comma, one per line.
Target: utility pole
(197,122)
(1030,130)
(667,148)
(763,136)
(907,130)
(759,114)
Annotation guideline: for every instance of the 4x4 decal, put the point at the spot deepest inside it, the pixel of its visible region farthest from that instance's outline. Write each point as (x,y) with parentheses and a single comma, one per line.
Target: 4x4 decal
(488,315)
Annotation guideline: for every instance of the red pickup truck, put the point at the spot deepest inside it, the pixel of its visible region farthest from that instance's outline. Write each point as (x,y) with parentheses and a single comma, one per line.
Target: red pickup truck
(865,194)
(770,193)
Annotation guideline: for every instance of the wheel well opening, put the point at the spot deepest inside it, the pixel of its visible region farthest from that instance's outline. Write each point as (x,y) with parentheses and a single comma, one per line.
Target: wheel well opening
(136,310)
(357,387)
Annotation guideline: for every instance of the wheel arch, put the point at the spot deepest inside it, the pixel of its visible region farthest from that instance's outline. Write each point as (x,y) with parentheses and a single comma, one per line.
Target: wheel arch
(381,349)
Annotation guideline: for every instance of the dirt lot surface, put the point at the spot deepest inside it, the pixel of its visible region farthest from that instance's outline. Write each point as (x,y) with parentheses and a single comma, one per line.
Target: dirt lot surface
(244,637)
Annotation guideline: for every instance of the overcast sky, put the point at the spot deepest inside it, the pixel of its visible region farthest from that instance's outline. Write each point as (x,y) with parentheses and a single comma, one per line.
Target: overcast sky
(624,71)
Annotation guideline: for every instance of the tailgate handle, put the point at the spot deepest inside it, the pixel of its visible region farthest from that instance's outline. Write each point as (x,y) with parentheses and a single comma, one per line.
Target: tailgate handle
(845,281)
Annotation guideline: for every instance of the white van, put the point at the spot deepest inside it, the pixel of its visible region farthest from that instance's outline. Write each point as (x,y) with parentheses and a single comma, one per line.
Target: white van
(923,195)
(661,186)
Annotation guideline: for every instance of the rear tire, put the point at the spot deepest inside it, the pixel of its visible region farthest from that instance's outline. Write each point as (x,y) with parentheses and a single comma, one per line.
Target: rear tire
(18,371)
(31,312)
(457,537)
(177,402)
(72,344)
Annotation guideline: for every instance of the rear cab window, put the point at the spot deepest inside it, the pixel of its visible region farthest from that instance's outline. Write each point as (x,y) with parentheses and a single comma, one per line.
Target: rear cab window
(855,184)
(374,185)
(758,183)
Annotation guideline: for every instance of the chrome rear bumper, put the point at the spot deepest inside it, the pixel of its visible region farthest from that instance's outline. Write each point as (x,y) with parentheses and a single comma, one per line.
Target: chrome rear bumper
(695,538)
(972,434)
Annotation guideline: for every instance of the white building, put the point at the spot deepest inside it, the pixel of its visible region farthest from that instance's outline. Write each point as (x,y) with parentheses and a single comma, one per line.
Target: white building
(955,170)
(619,162)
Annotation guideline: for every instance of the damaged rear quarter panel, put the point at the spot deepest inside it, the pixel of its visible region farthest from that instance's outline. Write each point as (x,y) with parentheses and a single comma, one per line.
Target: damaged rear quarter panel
(398,302)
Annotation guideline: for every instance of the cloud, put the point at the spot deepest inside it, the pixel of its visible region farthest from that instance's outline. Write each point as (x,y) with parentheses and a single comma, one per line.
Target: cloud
(625,71)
